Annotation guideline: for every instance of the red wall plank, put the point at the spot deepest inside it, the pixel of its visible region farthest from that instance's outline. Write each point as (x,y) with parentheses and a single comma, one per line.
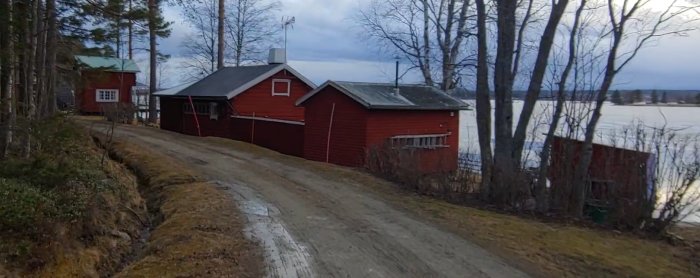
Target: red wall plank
(282,137)
(347,142)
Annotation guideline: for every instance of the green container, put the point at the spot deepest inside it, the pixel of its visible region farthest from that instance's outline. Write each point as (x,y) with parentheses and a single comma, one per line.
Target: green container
(598,215)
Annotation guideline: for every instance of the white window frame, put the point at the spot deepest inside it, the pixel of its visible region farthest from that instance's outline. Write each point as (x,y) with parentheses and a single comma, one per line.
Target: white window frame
(289,87)
(427,141)
(101,97)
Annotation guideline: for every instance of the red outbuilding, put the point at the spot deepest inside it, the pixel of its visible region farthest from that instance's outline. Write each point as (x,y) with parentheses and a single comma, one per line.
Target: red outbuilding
(255,104)
(345,120)
(619,180)
(104,81)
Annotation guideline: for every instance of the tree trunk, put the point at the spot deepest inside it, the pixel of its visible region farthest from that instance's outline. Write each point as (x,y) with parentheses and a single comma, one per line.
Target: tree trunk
(504,170)
(6,68)
(52,40)
(40,61)
(535,86)
(483,101)
(581,170)
(130,31)
(425,69)
(541,186)
(152,18)
(220,36)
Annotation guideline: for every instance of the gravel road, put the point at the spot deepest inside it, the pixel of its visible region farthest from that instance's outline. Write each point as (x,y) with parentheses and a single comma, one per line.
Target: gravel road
(313,224)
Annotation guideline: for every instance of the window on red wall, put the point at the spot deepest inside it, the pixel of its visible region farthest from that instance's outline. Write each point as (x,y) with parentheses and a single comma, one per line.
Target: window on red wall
(281,87)
(432,141)
(106,95)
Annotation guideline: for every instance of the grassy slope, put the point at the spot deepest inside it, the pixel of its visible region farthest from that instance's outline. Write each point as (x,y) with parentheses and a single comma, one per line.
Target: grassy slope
(542,249)
(201,233)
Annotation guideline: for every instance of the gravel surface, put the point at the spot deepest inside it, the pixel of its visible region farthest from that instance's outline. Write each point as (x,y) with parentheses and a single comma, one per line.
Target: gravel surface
(314,224)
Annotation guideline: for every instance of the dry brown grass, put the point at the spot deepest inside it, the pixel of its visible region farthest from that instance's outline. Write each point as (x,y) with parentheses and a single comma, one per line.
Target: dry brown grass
(542,249)
(201,233)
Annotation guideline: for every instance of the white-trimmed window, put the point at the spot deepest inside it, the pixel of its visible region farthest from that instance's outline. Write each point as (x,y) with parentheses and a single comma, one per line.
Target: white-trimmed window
(430,141)
(107,95)
(281,87)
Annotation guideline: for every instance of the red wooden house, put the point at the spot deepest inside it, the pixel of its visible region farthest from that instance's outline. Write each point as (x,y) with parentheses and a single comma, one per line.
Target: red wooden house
(254,104)
(345,119)
(104,81)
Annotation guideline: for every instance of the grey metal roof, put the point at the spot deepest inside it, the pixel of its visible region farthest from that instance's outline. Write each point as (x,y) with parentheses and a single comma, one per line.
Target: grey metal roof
(173,90)
(383,96)
(230,81)
(107,63)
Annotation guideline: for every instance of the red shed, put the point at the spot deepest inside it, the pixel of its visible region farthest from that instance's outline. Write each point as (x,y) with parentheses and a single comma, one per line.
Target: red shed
(103,81)
(618,179)
(254,104)
(345,119)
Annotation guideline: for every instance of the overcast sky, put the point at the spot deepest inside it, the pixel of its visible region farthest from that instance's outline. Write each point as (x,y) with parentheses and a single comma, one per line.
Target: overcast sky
(326,43)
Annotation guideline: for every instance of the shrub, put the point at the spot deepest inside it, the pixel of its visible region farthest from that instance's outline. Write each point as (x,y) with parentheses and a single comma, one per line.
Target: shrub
(23,206)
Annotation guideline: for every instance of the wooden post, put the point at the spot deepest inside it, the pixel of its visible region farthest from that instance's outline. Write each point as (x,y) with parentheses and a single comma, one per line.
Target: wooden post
(330,127)
(194,114)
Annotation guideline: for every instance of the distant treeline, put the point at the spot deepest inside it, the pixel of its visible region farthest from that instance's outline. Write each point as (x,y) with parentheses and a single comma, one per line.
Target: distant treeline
(617,96)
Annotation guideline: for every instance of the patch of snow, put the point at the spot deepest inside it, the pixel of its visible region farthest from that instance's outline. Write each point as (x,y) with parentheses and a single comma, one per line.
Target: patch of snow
(284,256)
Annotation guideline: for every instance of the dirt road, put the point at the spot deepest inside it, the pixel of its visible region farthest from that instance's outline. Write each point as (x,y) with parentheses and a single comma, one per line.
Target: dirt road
(315,224)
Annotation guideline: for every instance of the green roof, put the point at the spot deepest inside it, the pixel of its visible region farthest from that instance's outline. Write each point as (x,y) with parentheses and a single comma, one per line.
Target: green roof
(107,63)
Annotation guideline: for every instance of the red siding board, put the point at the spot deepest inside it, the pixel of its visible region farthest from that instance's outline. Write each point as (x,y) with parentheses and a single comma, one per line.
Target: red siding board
(171,114)
(347,140)
(93,80)
(282,137)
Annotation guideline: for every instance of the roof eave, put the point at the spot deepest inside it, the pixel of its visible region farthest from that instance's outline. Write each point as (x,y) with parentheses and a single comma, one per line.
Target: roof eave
(337,87)
(415,107)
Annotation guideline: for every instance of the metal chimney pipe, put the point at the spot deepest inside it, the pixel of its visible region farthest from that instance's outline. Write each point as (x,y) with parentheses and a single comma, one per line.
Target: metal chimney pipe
(396,80)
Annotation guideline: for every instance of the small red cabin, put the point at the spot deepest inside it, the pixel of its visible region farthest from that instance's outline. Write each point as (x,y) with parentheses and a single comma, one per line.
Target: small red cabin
(103,81)
(344,120)
(253,104)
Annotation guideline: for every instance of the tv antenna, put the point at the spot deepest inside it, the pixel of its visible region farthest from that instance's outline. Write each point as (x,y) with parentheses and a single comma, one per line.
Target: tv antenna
(287,22)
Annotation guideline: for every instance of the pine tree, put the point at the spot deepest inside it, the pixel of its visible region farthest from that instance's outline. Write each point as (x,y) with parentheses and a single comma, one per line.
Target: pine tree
(616,98)
(638,96)
(654,97)
(157,27)
(664,97)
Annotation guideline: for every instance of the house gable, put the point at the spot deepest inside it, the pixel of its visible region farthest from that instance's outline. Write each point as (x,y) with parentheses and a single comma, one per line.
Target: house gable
(273,97)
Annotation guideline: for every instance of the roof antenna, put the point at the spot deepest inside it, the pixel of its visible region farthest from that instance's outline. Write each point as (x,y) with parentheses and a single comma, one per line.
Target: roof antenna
(396,80)
(287,22)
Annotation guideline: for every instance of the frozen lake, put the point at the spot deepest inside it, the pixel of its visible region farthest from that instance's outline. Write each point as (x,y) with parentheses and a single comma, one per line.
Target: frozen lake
(684,119)
(614,117)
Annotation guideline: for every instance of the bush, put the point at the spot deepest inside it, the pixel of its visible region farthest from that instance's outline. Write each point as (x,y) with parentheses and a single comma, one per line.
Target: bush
(23,206)
(55,184)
